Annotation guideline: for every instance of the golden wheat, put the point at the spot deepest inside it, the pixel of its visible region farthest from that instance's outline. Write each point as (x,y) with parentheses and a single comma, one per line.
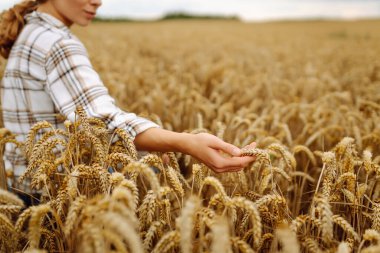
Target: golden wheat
(314,116)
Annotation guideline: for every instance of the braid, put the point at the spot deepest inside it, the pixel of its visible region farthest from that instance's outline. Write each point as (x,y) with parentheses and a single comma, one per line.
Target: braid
(12,22)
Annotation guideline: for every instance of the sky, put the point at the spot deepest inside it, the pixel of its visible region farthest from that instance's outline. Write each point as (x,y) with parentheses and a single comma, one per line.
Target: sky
(248,10)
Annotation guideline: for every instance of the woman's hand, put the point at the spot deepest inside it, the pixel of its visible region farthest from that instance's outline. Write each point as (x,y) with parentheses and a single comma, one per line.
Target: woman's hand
(212,151)
(218,155)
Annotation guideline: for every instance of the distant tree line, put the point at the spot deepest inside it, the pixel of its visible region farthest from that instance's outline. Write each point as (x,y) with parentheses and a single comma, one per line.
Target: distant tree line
(169,16)
(183,15)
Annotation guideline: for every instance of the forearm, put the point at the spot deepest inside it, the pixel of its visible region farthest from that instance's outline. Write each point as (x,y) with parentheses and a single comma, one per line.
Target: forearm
(161,140)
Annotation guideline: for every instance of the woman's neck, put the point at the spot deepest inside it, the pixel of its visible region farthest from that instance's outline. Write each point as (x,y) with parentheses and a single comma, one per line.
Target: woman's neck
(48,8)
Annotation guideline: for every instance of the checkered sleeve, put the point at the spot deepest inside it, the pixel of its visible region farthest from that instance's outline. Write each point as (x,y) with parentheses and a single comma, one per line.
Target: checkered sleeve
(72,82)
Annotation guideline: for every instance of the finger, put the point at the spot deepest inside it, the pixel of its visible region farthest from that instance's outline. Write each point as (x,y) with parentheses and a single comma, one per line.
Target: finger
(228,169)
(252,145)
(220,167)
(227,147)
(165,159)
(220,163)
(232,169)
(241,162)
(244,159)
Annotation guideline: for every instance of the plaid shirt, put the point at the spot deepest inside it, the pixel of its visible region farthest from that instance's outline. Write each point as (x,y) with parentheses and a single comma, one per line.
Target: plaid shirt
(49,74)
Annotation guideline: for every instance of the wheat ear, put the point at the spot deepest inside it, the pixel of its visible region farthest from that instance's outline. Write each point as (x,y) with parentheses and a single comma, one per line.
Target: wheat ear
(38,213)
(185,223)
(255,217)
(167,242)
(220,236)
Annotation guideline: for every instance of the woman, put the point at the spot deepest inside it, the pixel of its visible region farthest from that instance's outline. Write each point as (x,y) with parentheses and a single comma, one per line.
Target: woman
(48,73)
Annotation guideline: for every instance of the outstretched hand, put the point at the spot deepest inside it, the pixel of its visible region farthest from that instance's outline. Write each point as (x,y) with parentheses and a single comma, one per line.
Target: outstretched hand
(212,151)
(218,155)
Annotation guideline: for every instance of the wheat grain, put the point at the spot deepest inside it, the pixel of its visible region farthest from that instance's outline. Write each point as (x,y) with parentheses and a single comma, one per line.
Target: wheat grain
(148,208)
(331,168)
(124,195)
(133,188)
(312,245)
(73,214)
(287,238)
(326,218)
(175,182)
(143,168)
(290,161)
(371,235)
(185,223)
(32,134)
(167,242)
(255,217)
(307,151)
(124,229)
(269,198)
(131,149)
(152,231)
(38,213)
(9,198)
(343,223)
(376,217)
(241,245)
(220,236)
(115,241)
(153,160)
(217,186)
(261,155)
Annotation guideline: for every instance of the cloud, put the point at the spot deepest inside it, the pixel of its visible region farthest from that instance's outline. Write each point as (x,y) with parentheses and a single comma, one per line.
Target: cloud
(247,9)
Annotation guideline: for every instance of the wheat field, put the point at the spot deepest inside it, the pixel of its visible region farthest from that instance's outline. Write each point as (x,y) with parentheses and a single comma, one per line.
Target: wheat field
(307,92)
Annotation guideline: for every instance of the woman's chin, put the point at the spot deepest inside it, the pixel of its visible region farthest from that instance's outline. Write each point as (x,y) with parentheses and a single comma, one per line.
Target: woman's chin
(84,22)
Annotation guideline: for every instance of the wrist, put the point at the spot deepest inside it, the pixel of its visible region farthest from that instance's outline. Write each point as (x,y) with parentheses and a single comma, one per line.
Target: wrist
(156,139)
(184,143)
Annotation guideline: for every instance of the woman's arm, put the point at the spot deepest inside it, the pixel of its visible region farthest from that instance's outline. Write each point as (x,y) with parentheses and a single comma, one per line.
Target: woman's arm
(72,82)
(204,147)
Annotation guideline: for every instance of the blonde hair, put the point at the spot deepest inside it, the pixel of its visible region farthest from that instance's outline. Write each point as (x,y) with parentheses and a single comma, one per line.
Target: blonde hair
(12,22)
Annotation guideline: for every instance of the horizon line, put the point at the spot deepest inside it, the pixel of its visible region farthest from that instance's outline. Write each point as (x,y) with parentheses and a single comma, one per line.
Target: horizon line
(237,17)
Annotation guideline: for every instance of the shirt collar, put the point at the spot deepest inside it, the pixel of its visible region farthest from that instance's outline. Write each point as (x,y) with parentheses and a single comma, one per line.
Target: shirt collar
(37,17)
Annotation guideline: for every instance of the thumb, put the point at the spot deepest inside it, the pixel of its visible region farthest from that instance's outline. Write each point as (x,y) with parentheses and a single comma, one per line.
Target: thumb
(230,149)
(252,145)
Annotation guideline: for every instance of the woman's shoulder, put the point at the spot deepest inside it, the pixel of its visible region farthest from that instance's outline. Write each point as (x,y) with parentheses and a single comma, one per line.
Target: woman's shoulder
(41,33)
